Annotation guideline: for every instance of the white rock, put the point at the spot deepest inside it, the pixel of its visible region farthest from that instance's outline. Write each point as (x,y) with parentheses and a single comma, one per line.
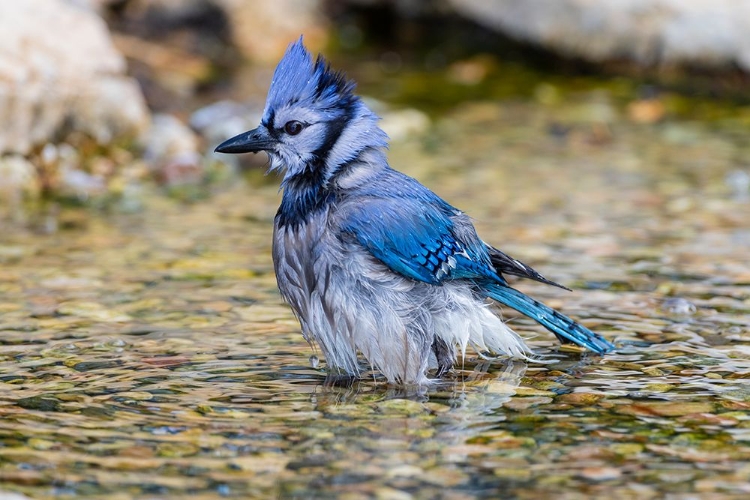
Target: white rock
(171,149)
(167,137)
(223,119)
(9,495)
(18,179)
(263,30)
(404,123)
(16,175)
(694,32)
(60,73)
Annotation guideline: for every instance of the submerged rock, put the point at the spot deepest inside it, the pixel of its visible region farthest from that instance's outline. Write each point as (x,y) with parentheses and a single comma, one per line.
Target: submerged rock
(687,32)
(60,74)
(679,305)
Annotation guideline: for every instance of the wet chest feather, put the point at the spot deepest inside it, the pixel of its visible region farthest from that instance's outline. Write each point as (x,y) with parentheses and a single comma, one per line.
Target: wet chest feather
(299,255)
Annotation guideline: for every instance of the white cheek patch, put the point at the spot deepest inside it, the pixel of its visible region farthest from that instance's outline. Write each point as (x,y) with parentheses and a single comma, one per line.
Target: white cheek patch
(347,146)
(307,141)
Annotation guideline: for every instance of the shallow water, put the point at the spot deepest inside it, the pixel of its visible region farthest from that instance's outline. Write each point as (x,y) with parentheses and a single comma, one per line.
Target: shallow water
(150,355)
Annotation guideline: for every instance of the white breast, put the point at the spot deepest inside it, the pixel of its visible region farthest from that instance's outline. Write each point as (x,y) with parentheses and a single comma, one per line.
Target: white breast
(307,259)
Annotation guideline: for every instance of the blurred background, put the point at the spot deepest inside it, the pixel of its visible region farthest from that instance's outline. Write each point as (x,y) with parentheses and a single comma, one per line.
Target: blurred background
(144,348)
(102,97)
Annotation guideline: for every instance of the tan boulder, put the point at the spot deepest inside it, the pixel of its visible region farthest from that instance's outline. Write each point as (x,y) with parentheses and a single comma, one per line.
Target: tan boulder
(60,74)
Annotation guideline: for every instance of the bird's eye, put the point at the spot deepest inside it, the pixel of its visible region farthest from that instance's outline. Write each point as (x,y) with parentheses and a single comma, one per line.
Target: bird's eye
(293,127)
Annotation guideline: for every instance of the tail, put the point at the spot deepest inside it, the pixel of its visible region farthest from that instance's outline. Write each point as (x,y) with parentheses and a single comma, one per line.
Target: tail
(563,327)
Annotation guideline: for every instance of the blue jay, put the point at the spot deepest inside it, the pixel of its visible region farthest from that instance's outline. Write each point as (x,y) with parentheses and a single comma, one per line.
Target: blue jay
(369,259)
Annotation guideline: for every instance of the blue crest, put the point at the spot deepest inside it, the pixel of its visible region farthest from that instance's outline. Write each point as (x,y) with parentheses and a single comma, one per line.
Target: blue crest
(361,251)
(298,79)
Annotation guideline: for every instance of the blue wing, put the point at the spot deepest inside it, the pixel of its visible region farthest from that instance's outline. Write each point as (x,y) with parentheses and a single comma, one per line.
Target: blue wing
(421,237)
(418,240)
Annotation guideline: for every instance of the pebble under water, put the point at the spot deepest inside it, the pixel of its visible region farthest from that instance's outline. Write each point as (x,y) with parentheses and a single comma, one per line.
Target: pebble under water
(150,355)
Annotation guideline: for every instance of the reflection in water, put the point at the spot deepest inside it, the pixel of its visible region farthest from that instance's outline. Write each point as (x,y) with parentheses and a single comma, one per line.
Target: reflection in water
(344,389)
(150,354)
(475,401)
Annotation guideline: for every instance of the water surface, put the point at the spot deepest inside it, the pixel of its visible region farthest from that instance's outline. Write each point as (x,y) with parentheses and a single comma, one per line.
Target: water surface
(149,355)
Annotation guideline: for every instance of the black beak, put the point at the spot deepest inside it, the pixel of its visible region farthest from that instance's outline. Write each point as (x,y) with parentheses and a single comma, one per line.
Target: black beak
(248,142)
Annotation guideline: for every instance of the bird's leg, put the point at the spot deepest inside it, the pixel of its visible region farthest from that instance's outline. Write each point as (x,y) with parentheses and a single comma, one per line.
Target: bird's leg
(443,354)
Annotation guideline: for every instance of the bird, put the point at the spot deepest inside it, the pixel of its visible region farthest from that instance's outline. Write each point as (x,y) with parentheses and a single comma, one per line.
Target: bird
(370,260)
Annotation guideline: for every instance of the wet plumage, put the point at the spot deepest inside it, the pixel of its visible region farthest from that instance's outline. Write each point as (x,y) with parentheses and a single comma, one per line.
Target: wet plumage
(369,259)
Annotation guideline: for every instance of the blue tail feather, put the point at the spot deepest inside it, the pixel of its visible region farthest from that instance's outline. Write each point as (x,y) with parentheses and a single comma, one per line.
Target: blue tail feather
(563,327)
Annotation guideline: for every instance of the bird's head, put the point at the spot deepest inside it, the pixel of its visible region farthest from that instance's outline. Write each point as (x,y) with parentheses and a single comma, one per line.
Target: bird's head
(309,109)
